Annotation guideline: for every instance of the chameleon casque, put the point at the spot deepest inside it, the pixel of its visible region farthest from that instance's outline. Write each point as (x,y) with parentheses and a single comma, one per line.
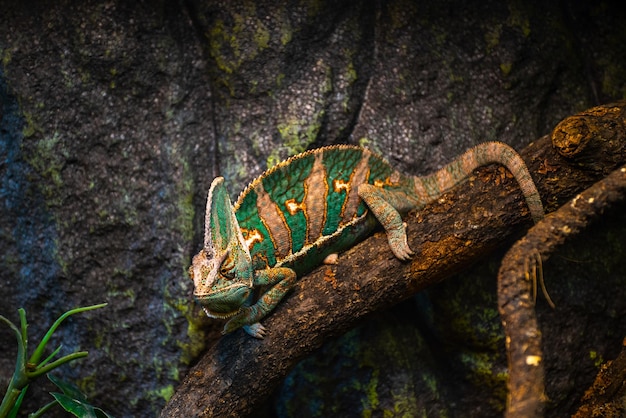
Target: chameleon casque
(311,206)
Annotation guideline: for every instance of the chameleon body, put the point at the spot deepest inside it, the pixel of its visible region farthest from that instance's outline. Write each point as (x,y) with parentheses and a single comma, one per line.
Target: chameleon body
(311,206)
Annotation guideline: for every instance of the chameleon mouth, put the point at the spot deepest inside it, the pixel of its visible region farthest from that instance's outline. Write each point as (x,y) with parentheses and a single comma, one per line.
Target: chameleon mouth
(220,315)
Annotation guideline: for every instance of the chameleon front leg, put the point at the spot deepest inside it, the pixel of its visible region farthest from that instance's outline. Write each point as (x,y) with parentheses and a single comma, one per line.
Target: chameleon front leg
(385,204)
(282,279)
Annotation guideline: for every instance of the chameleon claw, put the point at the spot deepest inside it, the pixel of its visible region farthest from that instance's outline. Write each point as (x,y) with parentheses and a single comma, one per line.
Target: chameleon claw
(403,252)
(256,330)
(400,247)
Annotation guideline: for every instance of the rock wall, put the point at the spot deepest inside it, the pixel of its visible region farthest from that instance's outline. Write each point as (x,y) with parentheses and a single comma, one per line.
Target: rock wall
(115,117)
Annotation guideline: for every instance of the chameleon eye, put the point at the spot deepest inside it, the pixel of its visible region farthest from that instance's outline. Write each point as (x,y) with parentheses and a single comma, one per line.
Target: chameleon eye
(227,268)
(227,274)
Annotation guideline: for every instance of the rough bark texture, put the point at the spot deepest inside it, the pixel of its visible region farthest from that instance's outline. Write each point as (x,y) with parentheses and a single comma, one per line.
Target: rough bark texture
(115,116)
(526,381)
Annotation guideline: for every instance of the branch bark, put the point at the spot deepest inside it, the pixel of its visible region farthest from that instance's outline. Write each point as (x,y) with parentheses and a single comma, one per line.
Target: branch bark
(526,396)
(239,372)
(594,140)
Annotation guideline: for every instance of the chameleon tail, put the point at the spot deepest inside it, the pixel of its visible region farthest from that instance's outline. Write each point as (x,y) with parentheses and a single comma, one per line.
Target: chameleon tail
(432,186)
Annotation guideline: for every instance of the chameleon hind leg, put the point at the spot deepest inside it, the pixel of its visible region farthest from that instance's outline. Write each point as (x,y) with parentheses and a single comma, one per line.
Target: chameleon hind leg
(386,205)
(282,280)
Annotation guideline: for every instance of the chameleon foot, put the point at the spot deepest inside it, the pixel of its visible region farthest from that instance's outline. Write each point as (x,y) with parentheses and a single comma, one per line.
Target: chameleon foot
(256,330)
(401,251)
(398,243)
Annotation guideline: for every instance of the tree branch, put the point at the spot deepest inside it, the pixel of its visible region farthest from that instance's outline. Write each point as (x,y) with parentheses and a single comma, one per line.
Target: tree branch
(593,140)
(239,372)
(526,396)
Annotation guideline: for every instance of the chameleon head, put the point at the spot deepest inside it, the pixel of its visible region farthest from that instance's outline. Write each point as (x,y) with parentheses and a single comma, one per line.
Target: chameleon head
(220,291)
(222,271)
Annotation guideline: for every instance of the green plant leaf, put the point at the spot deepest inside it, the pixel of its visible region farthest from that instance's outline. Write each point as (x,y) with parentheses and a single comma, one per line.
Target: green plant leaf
(67,388)
(26,371)
(50,357)
(65,359)
(74,406)
(15,391)
(79,408)
(42,345)
(39,413)
(18,403)
(101,414)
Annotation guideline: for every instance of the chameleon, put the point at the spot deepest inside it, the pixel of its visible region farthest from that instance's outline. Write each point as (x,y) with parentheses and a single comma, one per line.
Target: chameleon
(309,208)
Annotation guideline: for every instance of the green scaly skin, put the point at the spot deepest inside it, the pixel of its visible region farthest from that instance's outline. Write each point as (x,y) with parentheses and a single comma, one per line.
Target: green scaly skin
(315,204)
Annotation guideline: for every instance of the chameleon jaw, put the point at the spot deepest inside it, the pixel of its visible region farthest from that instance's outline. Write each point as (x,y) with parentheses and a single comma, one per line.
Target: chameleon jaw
(224,302)
(219,315)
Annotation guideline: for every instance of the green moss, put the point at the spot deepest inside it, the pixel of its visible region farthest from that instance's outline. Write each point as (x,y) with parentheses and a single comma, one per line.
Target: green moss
(279,79)
(468,309)
(185,208)
(492,36)
(505,68)
(197,342)
(351,74)
(125,293)
(174,307)
(299,131)
(370,386)
(365,142)
(400,12)
(596,357)
(371,402)
(166,392)
(518,17)
(5,56)
(484,372)
(233,45)
(262,36)
(30,126)
(196,336)
(47,157)
(87,384)
(98,341)
(218,40)
(297,134)
(388,345)
(286,32)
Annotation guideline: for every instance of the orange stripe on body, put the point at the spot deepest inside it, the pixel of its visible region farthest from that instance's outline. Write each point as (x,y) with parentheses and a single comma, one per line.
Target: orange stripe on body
(420,190)
(315,193)
(358,177)
(469,162)
(444,179)
(274,221)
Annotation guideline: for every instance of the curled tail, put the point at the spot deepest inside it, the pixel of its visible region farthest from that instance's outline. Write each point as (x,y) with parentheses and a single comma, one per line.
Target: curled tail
(430,187)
